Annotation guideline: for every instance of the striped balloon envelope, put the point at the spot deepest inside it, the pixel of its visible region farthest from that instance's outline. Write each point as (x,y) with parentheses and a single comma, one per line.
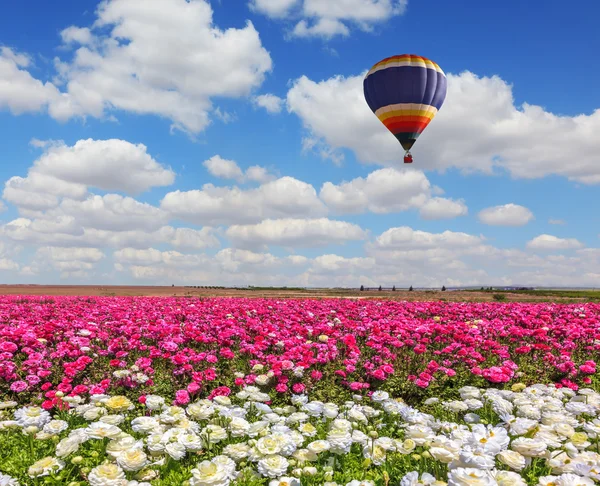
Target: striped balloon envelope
(405,92)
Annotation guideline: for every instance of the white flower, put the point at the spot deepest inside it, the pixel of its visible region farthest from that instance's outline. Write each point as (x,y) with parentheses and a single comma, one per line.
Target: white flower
(67,446)
(201,411)
(380,396)
(512,459)
(412,479)
(45,466)
(115,447)
(190,441)
(100,430)
(529,447)
(112,419)
(273,466)
(470,477)
(145,425)
(55,427)
(209,473)
(214,433)
(237,451)
(175,450)
(32,416)
(318,446)
(107,475)
(238,427)
(132,460)
(285,481)
(364,482)
(6,480)
(508,478)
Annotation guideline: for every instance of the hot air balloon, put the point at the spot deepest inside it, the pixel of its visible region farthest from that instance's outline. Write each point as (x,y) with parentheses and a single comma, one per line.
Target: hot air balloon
(405,92)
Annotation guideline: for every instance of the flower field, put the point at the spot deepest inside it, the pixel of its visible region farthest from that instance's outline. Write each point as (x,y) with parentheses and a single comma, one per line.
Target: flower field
(161,391)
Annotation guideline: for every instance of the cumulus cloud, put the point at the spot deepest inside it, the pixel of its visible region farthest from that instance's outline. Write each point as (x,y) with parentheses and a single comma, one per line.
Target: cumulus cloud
(317,18)
(223,168)
(501,135)
(284,197)
(70,262)
(506,215)
(549,242)
(229,169)
(387,191)
(68,171)
(295,233)
(556,221)
(159,60)
(273,104)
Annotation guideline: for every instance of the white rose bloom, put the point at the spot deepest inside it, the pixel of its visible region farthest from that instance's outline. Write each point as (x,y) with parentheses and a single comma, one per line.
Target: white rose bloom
(564,430)
(508,478)
(364,482)
(100,430)
(340,441)
(330,410)
(214,433)
(237,452)
(227,464)
(172,415)
(304,455)
(132,460)
(573,480)
(145,425)
(529,447)
(45,466)
(6,480)
(112,419)
(238,427)
(209,473)
(470,477)
(32,416)
(473,404)
(318,446)
(222,400)
(190,441)
(154,443)
(200,411)
(419,433)
(443,455)
(412,479)
(456,406)
(94,413)
(513,459)
(107,475)
(55,427)
(262,380)
(115,447)
(285,481)
(175,450)
(314,408)
(380,396)
(273,466)
(67,446)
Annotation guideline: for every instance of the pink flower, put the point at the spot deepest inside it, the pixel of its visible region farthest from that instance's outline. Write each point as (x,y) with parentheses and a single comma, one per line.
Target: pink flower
(182,397)
(193,388)
(18,386)
(298,387)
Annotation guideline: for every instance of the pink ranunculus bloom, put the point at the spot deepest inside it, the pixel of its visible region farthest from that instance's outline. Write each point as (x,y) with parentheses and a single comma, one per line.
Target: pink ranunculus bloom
(18,386)
(193,388)
(316,375)
(182,397)
(298,387)
(281,388)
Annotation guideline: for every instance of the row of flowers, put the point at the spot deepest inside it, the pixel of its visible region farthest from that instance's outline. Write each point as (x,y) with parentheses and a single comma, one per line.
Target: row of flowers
(189,347)
(536,435)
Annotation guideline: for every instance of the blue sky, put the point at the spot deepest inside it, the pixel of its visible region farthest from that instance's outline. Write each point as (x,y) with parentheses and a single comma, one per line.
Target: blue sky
(128,132)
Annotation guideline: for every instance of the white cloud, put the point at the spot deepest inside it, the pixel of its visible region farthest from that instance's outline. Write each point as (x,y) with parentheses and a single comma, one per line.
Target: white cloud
(229,169)
(500,134)
(77,35)
(389,190)
(270,102)
(506,215)
(223,168)
(273,8)
(158,60)
(549,242)
(70,262)
(19,91)
(443,208)
(67,171)
(284,197)
(330,18)
(67,233)
(260,174)
(556,221)
(295,233)
(405,238)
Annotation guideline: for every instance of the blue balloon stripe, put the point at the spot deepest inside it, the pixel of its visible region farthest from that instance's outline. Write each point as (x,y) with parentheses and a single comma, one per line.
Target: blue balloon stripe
(405,84)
